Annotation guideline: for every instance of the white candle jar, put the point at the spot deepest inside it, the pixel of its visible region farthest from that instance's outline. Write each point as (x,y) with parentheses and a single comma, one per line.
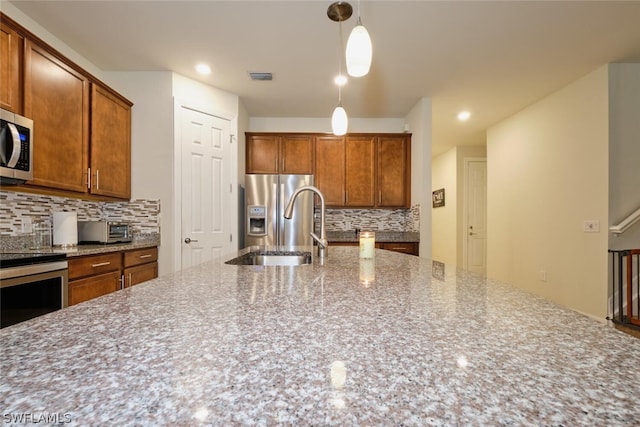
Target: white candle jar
(367,244)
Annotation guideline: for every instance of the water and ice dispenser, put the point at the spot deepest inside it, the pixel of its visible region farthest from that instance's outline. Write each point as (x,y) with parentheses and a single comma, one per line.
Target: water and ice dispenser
(257,219)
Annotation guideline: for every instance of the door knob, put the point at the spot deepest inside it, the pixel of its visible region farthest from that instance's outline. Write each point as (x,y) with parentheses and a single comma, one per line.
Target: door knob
(188,240)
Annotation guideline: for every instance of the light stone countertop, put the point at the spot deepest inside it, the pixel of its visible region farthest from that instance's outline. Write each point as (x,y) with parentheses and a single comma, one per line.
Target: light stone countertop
(222,344)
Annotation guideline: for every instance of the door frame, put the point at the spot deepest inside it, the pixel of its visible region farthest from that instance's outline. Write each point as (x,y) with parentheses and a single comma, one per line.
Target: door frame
(465,209)
(176,207)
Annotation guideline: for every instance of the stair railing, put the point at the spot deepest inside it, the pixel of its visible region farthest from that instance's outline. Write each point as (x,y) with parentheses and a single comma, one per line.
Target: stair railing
(624,294)
(626,223)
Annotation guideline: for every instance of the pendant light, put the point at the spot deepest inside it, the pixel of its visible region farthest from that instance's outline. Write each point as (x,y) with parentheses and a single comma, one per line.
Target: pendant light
(339,12)
(359,50)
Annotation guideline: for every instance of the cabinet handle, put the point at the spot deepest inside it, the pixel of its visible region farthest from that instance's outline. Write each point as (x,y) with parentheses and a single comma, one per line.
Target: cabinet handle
(89,178)
(145,256)
(101,264)
(97,179)
(379,197)
(121,280)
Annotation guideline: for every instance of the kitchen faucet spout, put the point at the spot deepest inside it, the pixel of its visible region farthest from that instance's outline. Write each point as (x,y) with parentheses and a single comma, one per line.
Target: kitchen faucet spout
(288,214)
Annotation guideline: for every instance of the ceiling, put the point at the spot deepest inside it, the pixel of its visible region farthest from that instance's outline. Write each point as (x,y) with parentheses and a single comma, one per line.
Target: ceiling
(491,58)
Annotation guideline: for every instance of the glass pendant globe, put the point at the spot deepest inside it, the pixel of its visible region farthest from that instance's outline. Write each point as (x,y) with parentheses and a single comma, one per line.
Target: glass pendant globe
(339,121)
(359,51)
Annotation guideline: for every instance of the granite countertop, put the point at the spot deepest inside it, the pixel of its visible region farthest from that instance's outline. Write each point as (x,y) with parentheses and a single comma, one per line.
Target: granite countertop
(390,341)
(89,249)
(381,236)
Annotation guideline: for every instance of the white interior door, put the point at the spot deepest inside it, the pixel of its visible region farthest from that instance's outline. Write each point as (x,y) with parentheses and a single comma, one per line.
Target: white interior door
(476,216)
(206,186)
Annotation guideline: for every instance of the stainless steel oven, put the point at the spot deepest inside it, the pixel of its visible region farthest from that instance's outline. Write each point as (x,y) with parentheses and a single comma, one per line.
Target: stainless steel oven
(31,285)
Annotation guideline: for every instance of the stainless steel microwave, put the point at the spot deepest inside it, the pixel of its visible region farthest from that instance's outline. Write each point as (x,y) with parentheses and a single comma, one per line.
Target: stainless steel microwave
(16,148)
(103,232)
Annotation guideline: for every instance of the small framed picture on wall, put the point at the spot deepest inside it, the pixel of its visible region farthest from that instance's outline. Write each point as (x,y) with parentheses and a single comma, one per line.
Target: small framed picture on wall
(438,198)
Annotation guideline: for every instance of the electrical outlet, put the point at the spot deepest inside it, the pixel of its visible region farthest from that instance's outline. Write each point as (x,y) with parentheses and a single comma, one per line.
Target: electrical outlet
(542,275)
(27,225)
(591,226)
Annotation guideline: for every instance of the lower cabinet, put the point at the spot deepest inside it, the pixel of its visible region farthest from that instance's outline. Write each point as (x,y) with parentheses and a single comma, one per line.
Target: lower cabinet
(411,248)
(92,276)
(140,265)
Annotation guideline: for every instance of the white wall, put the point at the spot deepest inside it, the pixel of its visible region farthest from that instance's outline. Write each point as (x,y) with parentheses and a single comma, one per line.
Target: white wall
(547,173)
(444,225)
(419,124)
(323,124)
(624,151)
(152,171)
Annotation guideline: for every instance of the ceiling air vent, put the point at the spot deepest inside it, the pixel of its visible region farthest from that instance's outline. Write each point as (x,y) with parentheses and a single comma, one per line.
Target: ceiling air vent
(260,76)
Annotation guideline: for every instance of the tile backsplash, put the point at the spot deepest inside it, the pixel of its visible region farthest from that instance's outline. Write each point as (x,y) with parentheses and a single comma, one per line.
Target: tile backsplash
(404,220)
(18,209)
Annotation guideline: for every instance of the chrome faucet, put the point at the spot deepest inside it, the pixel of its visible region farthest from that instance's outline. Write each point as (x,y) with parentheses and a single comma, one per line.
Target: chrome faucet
(288,213)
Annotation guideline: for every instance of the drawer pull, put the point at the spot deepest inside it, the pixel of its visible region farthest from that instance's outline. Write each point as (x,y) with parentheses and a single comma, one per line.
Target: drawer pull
(145,256)
(399,248)
(100,264)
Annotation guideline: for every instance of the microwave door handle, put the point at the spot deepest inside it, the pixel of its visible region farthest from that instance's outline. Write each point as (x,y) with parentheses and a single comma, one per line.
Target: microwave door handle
(17,147)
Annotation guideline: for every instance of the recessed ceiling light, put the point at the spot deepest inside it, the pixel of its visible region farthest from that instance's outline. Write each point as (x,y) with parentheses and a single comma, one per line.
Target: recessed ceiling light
(464,116)
(340,80)
(203,69)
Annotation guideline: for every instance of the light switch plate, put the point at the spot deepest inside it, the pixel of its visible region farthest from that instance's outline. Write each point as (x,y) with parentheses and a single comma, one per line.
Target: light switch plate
(591,226)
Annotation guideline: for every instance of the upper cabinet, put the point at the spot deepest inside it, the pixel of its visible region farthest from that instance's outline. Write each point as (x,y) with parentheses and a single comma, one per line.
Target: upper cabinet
(110,143)
(330,169)
(360,184)
(11,69)
(364,170)
(393,171)
(81,127)
(56,98)
(270,153)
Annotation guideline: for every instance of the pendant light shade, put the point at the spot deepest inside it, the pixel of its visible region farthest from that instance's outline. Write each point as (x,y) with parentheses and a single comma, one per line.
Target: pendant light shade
(339,121)
(359,51)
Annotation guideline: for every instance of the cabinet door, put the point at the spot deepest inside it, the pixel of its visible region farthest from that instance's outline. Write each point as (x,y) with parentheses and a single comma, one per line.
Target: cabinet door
(140,273)
(11,60)
(262,154)
(93,287)
(330,169)
(360,171)
(110,144)
(57,99)
(392,172)
(296,154)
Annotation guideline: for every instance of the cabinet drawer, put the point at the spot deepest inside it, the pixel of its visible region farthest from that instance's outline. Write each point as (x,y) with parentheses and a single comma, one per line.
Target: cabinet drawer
(94,264)
(404,247)
(140,256)
(93,287)
(140,273)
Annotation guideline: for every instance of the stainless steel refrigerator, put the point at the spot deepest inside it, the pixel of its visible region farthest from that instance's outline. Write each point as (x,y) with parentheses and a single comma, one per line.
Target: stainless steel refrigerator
(266,197)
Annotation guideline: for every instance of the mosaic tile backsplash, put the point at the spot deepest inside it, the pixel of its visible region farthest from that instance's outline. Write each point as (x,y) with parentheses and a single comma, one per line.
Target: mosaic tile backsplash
(18,209)
(404,220)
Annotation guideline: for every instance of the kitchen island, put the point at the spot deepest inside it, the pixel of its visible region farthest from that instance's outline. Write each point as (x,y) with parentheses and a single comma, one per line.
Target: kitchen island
(385,342)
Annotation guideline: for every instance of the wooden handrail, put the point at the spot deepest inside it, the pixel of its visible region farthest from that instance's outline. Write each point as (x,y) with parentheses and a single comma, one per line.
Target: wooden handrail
(626,223)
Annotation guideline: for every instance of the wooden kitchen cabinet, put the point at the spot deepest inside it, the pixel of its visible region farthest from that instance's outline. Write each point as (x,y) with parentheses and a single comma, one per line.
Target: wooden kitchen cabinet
(140,265)
(360,171)
(56,98)
(82,128)
(110,147)
(11,69)
(92,276)
(330,169)
(279,153)
(393,171)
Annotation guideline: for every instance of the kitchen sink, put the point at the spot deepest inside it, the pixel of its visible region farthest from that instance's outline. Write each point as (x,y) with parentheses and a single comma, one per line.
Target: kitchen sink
(290,258)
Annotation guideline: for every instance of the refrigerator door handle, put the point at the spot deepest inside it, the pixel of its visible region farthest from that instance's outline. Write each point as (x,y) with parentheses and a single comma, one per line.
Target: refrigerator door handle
(281,240)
